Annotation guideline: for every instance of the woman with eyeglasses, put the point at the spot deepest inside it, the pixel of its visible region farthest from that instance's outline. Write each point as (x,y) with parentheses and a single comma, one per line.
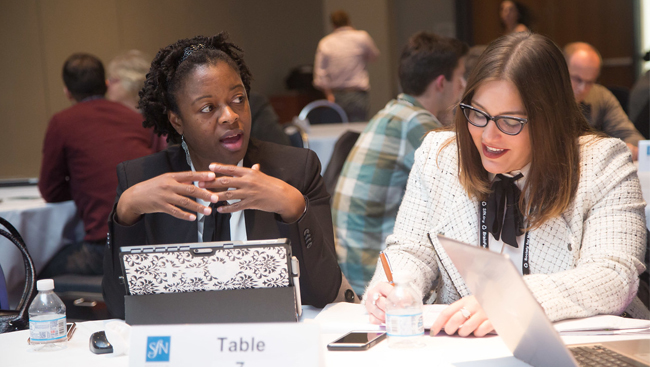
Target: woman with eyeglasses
(553,189)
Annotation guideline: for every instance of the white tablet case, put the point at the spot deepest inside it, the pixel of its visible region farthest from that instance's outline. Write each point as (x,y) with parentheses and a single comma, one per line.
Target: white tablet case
(206,266)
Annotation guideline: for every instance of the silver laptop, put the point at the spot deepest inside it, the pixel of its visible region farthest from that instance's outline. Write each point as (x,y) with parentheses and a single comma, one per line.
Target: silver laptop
(527,332)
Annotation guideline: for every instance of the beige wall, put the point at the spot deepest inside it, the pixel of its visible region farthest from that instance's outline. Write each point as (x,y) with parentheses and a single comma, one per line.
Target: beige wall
(390,23)
(37,36)
(376,18)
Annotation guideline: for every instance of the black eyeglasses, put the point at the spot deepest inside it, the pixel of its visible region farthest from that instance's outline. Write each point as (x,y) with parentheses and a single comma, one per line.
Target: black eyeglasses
(507,124)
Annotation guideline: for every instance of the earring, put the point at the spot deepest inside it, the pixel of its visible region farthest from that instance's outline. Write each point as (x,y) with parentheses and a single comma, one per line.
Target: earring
(187,150)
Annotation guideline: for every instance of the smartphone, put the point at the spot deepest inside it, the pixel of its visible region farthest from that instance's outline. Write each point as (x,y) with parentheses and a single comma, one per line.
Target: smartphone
(71,328)
(357,340)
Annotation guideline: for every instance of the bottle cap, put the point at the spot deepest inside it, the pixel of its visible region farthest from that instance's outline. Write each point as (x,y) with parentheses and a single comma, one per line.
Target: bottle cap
(45,285)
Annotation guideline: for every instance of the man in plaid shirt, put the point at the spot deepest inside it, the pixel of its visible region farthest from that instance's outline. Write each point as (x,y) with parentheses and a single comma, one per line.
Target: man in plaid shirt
(373,180)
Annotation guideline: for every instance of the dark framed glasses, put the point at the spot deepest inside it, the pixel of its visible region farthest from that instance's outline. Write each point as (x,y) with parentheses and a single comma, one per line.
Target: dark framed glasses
(506,124)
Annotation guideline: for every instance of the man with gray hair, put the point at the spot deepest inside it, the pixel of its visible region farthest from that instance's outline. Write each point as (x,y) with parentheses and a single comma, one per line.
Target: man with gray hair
(600,107)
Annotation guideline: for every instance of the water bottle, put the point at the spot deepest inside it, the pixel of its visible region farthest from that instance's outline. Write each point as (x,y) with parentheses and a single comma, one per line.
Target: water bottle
(404,320)
(47,322)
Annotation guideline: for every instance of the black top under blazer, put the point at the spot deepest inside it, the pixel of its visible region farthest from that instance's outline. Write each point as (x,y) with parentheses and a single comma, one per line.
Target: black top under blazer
(312,236)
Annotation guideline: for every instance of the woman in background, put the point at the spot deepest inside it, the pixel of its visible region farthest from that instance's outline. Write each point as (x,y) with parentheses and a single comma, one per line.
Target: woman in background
(513,16)
(553,189)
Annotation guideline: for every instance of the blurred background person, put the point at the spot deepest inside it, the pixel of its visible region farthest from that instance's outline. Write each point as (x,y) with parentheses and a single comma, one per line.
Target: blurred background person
(640,97)
(373,180)
(472,58)
(126,74)
(82,148)
(600,107)
(340,66)
(264,124)
(514,16)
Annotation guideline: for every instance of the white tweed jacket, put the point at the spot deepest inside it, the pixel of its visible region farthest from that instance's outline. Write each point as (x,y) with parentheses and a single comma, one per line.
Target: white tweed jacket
(582,263)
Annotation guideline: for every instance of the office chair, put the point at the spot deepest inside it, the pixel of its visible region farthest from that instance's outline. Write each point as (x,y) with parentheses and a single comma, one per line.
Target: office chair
(622,94)
(642,121)
(297,135)
(4,296)
(323,111)
(342,149)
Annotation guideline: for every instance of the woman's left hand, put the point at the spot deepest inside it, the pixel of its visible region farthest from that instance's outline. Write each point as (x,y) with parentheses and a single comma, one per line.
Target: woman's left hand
(453,320)
(256,190)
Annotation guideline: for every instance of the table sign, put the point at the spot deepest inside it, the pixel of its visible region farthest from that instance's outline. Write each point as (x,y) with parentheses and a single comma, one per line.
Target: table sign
(225,345)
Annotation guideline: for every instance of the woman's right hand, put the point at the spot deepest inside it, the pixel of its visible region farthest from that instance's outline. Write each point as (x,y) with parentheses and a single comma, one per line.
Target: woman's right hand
(167,193)
(375,301)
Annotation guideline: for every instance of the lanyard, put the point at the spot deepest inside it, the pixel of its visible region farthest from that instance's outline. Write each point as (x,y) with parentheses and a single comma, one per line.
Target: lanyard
(484,240)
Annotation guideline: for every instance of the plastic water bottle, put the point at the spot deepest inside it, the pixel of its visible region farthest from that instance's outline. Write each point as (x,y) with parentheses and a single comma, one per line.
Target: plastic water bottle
(404,320)
(47,322)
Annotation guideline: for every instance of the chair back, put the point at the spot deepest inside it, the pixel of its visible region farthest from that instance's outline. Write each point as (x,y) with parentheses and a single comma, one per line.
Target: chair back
(4,296)
(622,94)
(297,135)
(342,149)
(642,121)
(18,319)
(323,111)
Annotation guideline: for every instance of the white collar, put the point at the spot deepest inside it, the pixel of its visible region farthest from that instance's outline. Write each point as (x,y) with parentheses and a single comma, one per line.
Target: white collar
(521,182)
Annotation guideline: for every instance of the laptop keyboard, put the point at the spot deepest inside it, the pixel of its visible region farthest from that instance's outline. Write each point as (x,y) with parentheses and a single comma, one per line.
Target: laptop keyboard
(600,356)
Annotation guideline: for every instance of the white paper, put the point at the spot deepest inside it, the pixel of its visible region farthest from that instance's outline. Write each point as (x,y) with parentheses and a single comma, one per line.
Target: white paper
(602,324)
(344,317)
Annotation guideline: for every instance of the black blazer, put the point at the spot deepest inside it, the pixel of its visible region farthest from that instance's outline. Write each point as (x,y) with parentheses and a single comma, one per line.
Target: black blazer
(312,237)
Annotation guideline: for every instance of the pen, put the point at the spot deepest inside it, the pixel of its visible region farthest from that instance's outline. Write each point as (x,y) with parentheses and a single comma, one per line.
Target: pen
(387,268)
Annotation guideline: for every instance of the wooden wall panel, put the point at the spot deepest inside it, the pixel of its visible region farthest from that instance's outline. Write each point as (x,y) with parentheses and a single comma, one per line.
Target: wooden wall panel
(606,24)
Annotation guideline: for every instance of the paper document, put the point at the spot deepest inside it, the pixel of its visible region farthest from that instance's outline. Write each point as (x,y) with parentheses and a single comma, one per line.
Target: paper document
(343,317)
(602,325)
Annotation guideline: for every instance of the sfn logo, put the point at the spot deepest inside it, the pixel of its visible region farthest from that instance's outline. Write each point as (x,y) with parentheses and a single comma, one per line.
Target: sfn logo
(158,348)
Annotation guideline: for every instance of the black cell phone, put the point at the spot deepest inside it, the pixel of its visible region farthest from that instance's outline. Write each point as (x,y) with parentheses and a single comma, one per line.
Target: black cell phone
(357,340)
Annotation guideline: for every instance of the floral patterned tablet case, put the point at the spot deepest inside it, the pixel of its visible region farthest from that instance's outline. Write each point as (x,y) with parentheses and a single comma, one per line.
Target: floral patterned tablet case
(206,266)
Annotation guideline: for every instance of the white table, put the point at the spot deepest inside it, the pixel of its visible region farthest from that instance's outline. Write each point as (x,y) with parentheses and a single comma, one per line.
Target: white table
(46,228)
(323,137)
(439,350)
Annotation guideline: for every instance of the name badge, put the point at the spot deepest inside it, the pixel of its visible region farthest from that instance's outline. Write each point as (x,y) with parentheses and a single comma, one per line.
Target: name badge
(227,345)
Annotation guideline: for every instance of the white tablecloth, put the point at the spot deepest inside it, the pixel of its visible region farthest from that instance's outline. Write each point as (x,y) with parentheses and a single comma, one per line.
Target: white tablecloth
(322,138)
(46,228)
(440,350)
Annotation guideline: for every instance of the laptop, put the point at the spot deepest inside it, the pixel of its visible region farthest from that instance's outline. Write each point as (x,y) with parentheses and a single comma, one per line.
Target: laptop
(527,332)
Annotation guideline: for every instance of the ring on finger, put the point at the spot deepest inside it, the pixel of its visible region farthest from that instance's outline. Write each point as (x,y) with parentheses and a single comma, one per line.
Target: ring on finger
(465,312)
(375,298)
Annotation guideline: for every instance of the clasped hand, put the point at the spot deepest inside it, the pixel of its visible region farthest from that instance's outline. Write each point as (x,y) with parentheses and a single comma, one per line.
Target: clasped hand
(451,319)
(172,193)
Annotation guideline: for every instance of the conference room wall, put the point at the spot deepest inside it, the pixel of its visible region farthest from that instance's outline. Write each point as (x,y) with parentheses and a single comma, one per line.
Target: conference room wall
(390,23)
(377,18)
(37,36)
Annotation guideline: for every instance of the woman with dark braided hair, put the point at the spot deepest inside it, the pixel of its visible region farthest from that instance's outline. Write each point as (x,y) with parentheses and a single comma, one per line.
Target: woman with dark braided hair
(197,93)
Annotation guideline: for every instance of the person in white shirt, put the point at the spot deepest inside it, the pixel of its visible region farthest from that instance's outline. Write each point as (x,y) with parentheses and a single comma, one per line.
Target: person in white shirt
(340,66)
(521,172)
